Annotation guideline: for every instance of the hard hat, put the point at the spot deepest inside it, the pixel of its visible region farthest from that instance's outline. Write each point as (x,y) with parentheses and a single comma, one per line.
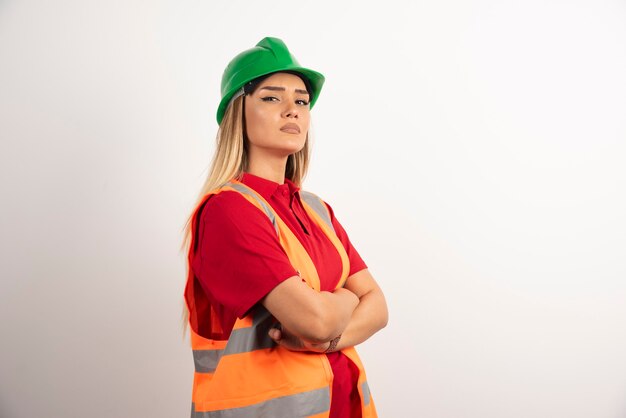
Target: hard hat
(270,55)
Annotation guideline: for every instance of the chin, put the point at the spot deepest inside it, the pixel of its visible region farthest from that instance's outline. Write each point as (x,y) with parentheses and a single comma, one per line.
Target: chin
(283,146)
(290,151)
(293,146)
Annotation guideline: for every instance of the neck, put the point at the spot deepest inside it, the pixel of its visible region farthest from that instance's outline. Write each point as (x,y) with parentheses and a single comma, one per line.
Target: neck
(267,166)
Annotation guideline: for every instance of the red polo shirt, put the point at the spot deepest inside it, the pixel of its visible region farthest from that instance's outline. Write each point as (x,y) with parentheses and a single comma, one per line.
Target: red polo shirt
(239,260)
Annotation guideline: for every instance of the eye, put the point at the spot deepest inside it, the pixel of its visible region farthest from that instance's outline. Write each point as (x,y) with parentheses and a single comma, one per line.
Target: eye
(269,99)
(302,102)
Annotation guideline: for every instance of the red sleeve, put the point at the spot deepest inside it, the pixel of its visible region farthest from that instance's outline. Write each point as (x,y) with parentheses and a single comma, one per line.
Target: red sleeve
(239,258)
(356,262)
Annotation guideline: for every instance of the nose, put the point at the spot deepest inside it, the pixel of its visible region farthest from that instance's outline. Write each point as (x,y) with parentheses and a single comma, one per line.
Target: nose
(291,111)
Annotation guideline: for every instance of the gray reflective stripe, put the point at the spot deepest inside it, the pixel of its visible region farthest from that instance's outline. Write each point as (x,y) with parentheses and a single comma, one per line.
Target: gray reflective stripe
(206,361)
(300,405)
(249,339)
(252,338)
(365,389)
(318,206)
(246,190)
(241,340)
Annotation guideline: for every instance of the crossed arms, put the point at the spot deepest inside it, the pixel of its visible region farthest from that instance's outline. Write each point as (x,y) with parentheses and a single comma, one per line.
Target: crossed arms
(311,319)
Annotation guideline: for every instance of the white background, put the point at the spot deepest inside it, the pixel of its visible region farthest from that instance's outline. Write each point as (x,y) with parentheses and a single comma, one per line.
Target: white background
(473,150)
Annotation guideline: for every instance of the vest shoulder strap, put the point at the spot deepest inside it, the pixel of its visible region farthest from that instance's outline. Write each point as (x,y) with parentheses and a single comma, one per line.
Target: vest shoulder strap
(313,200)
(242,188)
(318,205)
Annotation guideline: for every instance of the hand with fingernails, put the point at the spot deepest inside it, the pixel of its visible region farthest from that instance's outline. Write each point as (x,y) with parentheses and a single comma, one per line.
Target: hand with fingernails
(286,339)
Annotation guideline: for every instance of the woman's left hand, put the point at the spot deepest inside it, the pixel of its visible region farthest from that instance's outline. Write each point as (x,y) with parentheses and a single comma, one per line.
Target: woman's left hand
(291,342)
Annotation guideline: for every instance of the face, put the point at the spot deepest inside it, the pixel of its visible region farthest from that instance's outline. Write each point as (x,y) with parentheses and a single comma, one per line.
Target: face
(277,114)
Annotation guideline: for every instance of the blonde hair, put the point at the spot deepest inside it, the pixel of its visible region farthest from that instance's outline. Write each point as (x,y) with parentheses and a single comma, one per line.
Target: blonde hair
(230,160)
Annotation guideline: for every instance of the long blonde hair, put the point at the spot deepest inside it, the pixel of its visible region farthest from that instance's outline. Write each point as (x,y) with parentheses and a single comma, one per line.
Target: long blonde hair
(230,160)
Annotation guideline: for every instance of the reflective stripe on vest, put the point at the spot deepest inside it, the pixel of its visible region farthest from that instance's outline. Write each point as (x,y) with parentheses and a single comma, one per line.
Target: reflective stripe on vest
(318,206)
(241,340)
(301,405)
(365,389)
(249,375)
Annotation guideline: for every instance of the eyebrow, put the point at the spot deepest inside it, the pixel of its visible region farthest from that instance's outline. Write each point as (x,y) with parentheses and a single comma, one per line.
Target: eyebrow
(274,88)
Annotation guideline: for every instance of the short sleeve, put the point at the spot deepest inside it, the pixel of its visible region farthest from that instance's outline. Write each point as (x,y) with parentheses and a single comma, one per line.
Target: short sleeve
(239,258)
(356,262)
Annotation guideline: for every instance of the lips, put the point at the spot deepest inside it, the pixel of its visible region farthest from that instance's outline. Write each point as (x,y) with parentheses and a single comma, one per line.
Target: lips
(291,128)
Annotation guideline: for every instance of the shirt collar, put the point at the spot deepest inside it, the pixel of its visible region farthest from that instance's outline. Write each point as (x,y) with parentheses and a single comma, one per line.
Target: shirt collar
(268,188)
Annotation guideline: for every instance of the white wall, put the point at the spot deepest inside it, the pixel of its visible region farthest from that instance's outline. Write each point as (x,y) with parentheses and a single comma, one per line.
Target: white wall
(474,151)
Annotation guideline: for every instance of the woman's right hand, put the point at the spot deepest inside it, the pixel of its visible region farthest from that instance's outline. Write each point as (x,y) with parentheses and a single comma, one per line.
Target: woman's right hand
(288,340)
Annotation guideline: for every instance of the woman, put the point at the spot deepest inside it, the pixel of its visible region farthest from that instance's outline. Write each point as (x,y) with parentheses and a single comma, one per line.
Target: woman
(277,296)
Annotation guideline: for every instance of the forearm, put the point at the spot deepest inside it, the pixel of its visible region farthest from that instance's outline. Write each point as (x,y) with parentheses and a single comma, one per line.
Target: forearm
(337,312)
(309,314)
(369,317)
(358,311)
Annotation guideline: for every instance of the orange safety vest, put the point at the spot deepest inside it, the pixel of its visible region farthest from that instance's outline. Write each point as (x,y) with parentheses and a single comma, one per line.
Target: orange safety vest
(248,375)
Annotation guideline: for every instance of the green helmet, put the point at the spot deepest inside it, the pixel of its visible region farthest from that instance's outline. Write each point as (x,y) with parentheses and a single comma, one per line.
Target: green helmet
(268,56)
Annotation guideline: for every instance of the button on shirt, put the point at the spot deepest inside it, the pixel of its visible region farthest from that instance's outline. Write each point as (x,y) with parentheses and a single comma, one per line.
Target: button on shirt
(239,260)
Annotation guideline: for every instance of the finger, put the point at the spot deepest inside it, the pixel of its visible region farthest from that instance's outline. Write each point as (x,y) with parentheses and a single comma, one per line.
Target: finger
(275,334)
